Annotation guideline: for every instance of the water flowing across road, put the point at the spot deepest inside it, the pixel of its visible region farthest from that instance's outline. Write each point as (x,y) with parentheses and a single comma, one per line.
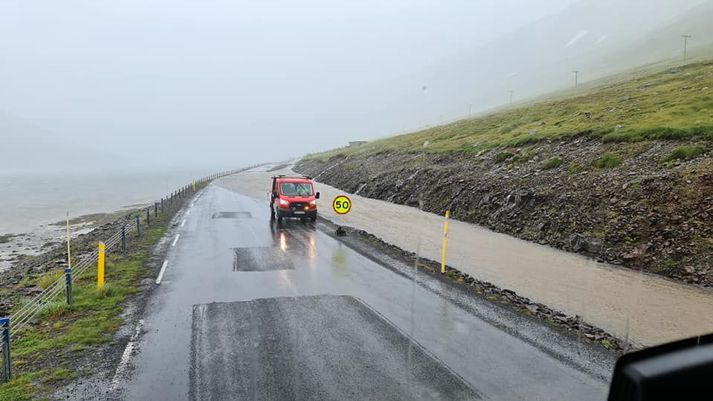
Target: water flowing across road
(645,308)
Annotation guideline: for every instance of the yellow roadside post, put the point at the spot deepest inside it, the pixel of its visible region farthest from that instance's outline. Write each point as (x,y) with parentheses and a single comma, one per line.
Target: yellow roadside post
(100,267)
(194,185)
(445,242)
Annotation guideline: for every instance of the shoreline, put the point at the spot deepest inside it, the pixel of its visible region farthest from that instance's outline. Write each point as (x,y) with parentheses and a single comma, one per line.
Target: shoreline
(17,247)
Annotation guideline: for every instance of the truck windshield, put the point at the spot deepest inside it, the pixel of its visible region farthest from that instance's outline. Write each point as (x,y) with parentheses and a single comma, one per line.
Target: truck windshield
(296,189)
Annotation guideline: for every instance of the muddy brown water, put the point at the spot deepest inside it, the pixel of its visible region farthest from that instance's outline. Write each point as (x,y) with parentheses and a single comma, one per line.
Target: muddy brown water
(645,308)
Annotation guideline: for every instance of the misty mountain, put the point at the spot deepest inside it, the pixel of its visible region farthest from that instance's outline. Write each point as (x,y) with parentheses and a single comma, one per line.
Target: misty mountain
(595,37)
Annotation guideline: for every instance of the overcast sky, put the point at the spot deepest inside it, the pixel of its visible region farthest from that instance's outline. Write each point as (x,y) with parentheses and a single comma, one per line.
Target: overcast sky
(235,82)
(226,83)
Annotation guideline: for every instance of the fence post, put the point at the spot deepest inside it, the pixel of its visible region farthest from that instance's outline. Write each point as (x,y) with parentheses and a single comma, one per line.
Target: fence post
(123,237)
(148,217)
(6,366)
(100,267)
(138,226)
(155,209)
(68,280)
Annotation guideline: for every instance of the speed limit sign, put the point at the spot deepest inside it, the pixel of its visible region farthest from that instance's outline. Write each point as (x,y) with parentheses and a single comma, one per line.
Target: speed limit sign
(342,204)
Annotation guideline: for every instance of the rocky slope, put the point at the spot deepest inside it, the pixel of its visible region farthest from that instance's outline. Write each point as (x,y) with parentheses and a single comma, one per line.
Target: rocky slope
(632,204)
(622,171)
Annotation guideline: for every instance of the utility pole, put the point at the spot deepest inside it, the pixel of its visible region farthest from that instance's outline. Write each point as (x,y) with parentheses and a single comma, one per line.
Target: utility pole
(685,46)
(576,78)
(510,92)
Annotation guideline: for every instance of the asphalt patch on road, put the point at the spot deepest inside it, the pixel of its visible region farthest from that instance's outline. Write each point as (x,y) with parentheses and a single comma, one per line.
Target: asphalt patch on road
(311,348)
(232,215)
(260,259)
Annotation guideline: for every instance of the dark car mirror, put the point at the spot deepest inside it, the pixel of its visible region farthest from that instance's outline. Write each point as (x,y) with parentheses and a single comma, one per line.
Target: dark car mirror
(274,195)
(680,370)
(316,196)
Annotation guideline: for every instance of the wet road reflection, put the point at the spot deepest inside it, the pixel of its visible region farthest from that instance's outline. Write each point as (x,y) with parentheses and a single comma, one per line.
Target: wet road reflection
(297,259)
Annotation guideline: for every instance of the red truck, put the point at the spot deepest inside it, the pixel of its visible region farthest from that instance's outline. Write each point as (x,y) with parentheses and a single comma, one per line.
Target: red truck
(293,197)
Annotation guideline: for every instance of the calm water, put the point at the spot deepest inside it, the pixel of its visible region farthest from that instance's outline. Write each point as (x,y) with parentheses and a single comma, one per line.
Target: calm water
(29,199)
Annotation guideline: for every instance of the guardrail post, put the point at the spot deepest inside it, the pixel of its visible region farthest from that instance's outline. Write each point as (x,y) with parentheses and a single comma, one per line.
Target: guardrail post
(68,281)
(6,365)
(148,217)
(100,267)
(123,237)
(138,226)
(155,209)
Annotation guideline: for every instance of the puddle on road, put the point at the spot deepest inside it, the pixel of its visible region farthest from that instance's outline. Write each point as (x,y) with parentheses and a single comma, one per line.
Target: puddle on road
(232,215)
(260,259)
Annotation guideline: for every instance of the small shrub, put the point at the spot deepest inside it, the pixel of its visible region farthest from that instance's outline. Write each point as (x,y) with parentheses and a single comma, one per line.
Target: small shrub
(607,160)
(575,168)
(551,163)
(502,156)
(48,278)
(685,152)
(55,309)
(525,156)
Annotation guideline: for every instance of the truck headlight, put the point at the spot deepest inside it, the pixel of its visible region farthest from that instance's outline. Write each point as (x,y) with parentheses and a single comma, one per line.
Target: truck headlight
(313,202)
(284,202)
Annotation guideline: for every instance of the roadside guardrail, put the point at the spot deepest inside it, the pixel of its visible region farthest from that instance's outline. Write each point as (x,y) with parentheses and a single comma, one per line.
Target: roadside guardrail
(21,318)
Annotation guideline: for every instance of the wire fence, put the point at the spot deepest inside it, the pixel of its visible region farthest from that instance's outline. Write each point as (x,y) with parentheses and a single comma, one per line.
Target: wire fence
(22,317)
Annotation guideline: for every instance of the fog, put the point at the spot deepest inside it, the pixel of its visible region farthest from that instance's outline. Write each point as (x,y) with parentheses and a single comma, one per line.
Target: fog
(212,84)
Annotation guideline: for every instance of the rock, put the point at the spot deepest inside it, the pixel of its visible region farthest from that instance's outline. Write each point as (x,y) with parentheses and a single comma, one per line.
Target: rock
(580,243)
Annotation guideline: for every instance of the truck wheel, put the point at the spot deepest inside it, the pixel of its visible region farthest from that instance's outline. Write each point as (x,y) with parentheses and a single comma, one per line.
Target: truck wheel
(272,213)
(313,217)
(279,219)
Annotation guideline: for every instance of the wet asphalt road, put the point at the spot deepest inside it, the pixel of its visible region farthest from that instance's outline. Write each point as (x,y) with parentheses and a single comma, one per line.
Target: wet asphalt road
(248,310)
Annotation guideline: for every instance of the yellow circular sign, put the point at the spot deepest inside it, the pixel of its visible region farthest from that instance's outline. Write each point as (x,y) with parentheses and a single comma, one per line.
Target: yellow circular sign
(342,204)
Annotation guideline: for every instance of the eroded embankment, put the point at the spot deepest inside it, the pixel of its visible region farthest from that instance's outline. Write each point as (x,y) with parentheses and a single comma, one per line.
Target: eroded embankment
(630,204)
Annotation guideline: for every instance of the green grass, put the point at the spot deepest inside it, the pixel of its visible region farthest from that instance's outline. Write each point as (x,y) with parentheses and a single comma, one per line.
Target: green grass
(607,160)
(50,277)
(502,156)
(685,152)
(62,333)
(674,104)
(552,162)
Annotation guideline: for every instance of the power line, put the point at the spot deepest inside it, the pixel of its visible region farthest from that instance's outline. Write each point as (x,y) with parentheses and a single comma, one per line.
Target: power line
(576,78)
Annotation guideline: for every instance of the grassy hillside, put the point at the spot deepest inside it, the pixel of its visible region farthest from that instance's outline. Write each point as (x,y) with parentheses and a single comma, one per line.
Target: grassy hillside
(672,104)
(622,172)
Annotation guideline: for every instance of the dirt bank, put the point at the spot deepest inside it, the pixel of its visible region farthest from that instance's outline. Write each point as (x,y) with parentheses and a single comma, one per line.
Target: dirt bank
(628,204)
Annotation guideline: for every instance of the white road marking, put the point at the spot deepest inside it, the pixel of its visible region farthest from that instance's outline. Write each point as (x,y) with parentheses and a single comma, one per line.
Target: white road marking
(163,270)
(175,239)
(183,223)
(124,363)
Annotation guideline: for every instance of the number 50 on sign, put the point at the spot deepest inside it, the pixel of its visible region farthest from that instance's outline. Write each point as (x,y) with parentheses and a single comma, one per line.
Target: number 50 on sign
(342,204)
